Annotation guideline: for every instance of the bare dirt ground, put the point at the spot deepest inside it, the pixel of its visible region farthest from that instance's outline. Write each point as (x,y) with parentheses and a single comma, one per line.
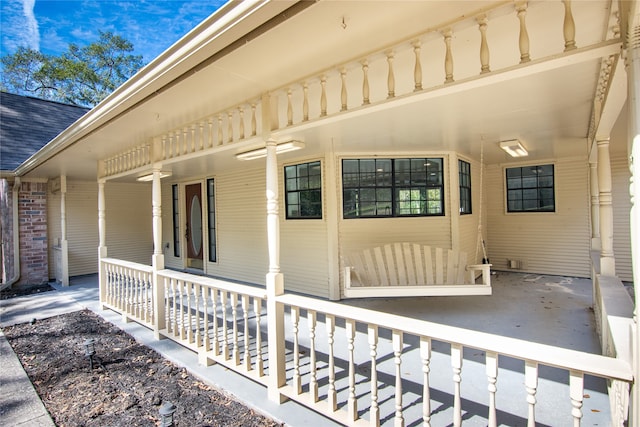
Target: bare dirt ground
(127,387)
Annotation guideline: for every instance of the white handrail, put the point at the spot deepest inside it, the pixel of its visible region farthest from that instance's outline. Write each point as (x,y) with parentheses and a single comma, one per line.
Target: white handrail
(547,355)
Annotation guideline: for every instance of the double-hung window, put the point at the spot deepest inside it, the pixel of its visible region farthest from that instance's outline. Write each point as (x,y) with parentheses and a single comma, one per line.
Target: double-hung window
(373,188)
(464,182)
(303,190)
(211,219)
(530,189)
(176,220)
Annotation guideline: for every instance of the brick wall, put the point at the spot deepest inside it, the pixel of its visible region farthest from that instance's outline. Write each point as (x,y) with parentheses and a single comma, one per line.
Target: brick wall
(32,214)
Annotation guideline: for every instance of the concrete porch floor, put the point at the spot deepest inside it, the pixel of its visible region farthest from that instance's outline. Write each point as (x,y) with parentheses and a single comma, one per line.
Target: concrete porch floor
(551,310)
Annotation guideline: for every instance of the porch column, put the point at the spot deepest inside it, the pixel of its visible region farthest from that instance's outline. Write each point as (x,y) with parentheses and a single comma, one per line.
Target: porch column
(595,205)
(275,281)
(633,100)
(64,243)
(102,242)
(157,259)
(607,260)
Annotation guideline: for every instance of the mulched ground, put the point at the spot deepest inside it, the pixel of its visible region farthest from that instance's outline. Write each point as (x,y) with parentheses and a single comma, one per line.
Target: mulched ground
(127,390)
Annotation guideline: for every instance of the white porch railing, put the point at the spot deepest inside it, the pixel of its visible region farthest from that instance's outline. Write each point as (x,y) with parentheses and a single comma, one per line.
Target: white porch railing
(408,69)
(362,367)
(128,289)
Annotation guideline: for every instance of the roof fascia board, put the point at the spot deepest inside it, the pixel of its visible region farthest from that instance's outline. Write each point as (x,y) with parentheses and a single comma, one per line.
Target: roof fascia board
(210,35)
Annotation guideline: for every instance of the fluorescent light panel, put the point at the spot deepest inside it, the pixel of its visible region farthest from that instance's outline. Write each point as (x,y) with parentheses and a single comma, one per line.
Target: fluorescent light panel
(514,148)
(262,152)
(149,177)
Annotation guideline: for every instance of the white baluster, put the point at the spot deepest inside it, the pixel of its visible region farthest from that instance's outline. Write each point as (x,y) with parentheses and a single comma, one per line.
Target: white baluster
(295,321)
(257,308)
(456,365)
(166,283)
(352,402)
(245,314)
(343,91)
(201,135)
(332,398)
(241,114)
(391,79)
(193,138)
(225,335)
(397,358)
(484,46)
(234,319)
(220,140)
(521,9)
(365,82)
(197,292)
(313,380)
(183,290)
(417,68)
(254,124)
(576,392)
(215,305)
(190,320)
(174,317)
(492,378)
(323,96)
(289,108)
(569,27)
(210,136)
(448,57)
(374,412)
(531,385)
(205,310)
(230,126)
(425,357)
(305,102)
(185,141)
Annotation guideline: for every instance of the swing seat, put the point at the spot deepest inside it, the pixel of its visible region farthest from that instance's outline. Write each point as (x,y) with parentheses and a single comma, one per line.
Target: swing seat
(410,269)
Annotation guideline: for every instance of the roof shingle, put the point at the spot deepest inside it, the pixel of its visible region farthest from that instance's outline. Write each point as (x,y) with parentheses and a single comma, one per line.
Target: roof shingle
(28,124)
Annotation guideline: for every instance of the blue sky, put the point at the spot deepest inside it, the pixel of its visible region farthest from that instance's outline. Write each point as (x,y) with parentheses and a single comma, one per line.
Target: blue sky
(50,25)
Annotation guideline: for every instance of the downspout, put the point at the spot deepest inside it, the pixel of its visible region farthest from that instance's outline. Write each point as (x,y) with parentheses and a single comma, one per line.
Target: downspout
(16,237)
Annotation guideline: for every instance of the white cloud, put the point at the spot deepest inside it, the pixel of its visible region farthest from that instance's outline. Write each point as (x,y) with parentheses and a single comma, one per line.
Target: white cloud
(31,34)
(19,25)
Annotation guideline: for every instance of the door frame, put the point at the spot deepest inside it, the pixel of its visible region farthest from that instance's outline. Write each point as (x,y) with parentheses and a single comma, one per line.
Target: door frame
(195,264)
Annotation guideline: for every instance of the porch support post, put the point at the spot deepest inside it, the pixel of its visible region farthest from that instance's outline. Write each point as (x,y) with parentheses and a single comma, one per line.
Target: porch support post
(64,243)
(157,260)
(275,282)
(633,100)
(595,206)
(607,260)
(102,242)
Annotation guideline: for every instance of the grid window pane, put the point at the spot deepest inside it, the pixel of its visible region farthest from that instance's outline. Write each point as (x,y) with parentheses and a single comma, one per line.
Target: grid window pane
(304,190)
(176,220)
(530,189)
(392,187)
(464,178)
(211,221)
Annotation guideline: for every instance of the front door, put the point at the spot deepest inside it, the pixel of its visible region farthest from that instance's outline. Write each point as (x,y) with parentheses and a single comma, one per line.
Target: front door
(194,226)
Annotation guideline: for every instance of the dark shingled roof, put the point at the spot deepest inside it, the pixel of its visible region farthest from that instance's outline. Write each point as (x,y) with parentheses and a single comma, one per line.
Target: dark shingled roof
(28,124)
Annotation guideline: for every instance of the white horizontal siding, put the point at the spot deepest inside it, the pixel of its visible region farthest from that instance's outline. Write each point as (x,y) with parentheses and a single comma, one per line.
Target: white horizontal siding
(547,243)
(82,227)
(241,225)
(620,176)
(54,228)
(128,221)
(468,224)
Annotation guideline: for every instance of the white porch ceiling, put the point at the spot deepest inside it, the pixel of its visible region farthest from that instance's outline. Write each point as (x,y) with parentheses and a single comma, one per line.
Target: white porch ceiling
(549,111)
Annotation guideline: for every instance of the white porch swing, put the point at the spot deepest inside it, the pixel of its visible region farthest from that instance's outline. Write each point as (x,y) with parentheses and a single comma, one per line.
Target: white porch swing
(409,269)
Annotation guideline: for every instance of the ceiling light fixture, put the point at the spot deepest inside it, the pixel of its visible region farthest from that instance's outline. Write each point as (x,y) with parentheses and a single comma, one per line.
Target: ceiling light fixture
(514,148)
(281,147)
(149,177)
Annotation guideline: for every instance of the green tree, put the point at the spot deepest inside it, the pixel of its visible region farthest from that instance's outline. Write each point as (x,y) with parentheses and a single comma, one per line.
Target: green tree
(83,75)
